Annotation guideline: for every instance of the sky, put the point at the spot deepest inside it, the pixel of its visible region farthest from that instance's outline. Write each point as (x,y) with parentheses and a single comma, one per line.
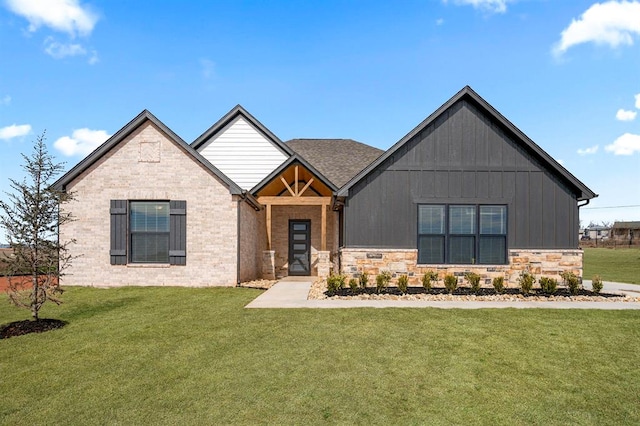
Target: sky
(566,73)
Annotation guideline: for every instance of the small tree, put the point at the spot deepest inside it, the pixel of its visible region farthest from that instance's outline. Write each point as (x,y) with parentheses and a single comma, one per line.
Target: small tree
(31,218)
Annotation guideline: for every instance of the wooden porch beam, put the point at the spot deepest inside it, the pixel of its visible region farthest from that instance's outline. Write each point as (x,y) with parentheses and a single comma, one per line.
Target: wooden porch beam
(287,186)
(296,182)
(305,187)
(294,201)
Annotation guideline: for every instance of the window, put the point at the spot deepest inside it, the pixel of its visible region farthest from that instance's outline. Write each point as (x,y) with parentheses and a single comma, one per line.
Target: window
(148,232)
(462,234)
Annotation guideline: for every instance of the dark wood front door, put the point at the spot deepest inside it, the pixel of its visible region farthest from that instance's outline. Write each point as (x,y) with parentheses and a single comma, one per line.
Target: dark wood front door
(300,247)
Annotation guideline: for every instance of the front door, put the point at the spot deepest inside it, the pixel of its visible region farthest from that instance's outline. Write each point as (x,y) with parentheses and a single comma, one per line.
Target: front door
(300,247)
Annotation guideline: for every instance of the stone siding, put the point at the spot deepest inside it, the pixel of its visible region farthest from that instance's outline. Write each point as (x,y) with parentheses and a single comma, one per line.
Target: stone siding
(280,234)
(147,165)
(548,263)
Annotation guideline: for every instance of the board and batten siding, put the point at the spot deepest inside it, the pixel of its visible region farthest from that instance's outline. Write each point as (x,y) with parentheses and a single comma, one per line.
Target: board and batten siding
(463,157)
(243,153)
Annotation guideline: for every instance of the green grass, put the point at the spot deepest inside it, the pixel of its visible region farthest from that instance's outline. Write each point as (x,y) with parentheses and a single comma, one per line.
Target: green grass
(195,356)
(618,265)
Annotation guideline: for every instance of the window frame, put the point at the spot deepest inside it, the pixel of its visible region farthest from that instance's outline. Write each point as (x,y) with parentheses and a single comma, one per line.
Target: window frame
(477,235)
(131,233)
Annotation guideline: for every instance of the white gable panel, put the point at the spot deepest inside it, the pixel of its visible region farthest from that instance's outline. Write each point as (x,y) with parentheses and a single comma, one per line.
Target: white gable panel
(243,153)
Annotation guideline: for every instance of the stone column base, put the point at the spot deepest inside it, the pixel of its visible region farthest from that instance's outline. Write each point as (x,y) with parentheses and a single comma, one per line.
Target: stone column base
(269,265)
(324,264)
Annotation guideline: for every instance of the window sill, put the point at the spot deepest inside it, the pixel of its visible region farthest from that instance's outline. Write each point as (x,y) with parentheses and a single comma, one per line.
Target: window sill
(148,265)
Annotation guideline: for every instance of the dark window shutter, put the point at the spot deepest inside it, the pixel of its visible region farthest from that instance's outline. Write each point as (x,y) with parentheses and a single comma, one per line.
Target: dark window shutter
(177,232)
(118,251)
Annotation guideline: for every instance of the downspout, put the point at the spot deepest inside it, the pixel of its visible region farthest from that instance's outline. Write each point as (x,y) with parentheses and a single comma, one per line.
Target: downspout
(582,205)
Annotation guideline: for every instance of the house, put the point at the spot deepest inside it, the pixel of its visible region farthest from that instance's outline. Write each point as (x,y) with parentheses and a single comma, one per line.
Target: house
(596,232)
(626,231)
(465,190)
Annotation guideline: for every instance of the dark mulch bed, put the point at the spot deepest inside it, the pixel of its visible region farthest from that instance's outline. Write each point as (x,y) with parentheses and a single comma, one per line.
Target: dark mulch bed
(18,328)
(466,291)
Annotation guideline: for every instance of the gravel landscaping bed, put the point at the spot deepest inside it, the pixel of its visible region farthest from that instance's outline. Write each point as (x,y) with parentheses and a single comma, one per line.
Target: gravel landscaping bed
(318,291)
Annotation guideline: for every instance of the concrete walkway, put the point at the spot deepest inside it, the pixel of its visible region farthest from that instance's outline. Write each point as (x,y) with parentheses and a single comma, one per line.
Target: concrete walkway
(292,292)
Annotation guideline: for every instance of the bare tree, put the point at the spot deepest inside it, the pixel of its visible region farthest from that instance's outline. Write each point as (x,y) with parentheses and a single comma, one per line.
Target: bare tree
(31,218)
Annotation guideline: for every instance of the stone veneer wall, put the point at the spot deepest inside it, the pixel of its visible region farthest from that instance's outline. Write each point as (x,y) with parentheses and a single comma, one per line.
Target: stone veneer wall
(548,263)
(147,165)
(280,216)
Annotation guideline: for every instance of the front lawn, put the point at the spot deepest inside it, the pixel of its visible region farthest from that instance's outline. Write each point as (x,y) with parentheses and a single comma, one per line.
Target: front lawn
(195,356)
(618,265)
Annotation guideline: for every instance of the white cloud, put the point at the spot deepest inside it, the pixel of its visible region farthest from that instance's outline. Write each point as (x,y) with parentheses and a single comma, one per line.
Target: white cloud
(67,16)
(81,142)
(588,151)
(5,100)
(612,23)
(495,6)
(626,144)
(561,162)
(93,59)
(439,21)
(637,101)
(624,115)
(14,131)
(61,50)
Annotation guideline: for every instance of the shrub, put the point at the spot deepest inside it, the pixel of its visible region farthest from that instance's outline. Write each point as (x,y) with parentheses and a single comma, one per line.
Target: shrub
(498,284)
(427,279)
(572,282)
(382,280)
(403,283)
(364,280)
(335,283)
(526,281)
(596,284)
(474,281)
(451,283)
(353,285)
(548,285)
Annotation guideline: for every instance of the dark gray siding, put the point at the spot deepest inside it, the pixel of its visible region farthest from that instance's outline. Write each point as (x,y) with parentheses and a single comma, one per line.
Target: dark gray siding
(461,157)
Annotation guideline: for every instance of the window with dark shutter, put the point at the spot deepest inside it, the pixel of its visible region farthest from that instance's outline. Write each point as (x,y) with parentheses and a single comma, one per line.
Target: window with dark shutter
(118,248)
(178,232)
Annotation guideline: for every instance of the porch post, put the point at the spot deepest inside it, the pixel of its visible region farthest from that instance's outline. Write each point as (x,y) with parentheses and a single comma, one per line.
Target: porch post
(268,226)
(323,228)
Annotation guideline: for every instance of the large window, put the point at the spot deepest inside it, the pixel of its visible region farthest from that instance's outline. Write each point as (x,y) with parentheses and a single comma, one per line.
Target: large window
(149,231)
(462,234)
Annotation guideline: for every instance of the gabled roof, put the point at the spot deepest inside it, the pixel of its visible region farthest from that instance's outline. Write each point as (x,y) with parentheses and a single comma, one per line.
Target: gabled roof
(122,134)
(282,167)
(337,159)
(239,111)
(468,93)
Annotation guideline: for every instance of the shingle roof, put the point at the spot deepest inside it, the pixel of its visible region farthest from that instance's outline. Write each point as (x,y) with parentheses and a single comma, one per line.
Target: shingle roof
(337,159)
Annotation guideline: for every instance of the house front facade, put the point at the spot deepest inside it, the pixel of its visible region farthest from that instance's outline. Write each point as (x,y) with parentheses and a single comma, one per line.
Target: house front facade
(463,191)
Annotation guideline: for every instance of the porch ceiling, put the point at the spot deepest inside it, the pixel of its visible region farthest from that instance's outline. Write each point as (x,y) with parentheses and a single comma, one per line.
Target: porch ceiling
(306,184)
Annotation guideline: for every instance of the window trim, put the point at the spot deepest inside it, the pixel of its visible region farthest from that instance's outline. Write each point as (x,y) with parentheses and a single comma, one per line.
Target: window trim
(477,235)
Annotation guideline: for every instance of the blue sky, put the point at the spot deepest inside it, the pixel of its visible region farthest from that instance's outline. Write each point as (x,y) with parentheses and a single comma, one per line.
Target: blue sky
(567,73)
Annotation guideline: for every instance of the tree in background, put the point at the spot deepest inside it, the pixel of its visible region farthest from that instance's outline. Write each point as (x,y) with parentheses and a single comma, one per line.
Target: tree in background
(31,218)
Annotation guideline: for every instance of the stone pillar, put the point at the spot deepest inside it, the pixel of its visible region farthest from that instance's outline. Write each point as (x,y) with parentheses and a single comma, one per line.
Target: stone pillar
(269,265)
(324,264)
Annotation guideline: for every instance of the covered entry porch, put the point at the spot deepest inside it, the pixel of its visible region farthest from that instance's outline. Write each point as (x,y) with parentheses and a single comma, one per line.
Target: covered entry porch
(301,227)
